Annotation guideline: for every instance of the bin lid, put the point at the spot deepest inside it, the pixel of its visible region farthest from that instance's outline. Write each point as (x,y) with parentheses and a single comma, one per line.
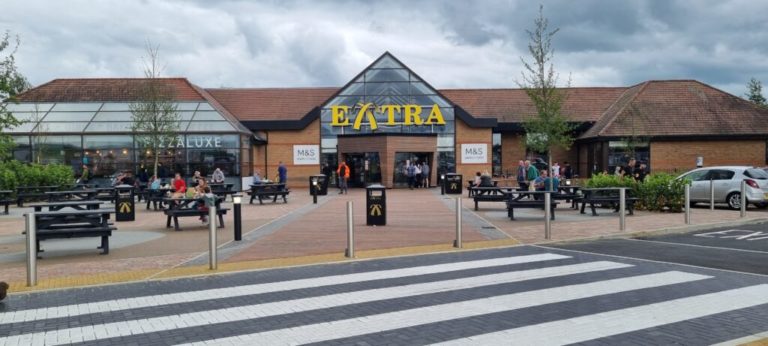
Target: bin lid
(124,187)
(375,186)
(317,175)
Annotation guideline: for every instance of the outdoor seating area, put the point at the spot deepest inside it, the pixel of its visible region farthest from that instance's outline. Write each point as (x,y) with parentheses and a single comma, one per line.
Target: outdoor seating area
(32,193)
(74,224)
(186,207)
(267,191)
(605,197)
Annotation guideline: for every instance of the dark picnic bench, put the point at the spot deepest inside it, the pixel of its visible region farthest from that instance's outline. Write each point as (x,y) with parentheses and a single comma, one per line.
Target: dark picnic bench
(568,193)
(273,191)
(106,194)
(32,193)
(517,202)
(490,194)
(157,196)
(606,196)
(184,207)
(5,199)
(77,195)
(471,184)
(222,190)
(76,205)
(74,224)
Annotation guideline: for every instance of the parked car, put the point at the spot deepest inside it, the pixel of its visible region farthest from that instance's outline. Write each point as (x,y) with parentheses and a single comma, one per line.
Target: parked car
(727,184)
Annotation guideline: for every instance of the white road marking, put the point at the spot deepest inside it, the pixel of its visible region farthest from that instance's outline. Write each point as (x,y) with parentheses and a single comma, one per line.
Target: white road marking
(697,245)
(443,312)
(620,321)
(148,325)
(186,297)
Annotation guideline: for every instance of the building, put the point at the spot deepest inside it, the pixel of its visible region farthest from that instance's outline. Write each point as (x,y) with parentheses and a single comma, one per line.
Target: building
(384,118)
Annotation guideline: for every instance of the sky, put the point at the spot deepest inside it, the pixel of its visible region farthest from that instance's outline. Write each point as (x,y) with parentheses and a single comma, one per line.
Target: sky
(451,43)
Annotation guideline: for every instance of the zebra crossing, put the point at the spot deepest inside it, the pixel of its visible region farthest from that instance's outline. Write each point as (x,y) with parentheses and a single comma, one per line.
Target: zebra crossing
(522,295)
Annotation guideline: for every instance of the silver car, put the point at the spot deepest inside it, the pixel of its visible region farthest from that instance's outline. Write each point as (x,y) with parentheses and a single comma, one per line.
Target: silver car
(727,184)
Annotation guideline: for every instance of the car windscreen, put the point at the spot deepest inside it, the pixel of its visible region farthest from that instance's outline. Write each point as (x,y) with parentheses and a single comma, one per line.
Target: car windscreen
(755,173)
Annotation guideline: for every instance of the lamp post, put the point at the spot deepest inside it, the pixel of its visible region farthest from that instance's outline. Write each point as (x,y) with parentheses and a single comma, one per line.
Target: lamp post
(237,199)
(314,190)
(442,184)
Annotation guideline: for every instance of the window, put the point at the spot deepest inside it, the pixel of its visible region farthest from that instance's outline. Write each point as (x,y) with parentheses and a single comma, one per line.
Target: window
(755,173)
(698,175)
(108,155)
(720,174)
(496,155)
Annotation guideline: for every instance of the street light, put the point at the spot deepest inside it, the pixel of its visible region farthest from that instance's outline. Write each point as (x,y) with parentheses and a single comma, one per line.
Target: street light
(442,184)
(314,190)
(237,199)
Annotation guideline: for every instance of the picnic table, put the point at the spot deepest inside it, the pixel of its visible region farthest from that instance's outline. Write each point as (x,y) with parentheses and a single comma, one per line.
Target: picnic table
(516,201)
(74,224)
(76,205)
(606,196)
(273,191)
(182,207)
(105,193)
(222,189)
(157,196)
(83,195)
(471,184)
(569,193)
(490,194)
(32,193)
(5,199)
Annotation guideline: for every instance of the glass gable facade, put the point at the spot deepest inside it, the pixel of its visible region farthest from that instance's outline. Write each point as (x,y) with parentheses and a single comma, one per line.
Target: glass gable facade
(99,135)
(389,98)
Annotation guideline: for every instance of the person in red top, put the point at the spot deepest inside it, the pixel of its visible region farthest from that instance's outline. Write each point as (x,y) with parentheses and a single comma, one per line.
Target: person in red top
(343,172)
(179,185)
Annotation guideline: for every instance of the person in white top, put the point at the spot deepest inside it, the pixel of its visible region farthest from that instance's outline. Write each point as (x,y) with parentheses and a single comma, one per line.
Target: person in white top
(556,170)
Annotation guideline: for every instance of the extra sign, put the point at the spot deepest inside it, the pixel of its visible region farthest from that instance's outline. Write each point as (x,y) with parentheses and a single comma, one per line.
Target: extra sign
(390,115)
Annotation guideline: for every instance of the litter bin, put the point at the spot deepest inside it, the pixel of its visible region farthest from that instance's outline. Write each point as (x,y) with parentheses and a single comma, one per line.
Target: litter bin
(125,206)
(321,188)
(452,183)
(375,205)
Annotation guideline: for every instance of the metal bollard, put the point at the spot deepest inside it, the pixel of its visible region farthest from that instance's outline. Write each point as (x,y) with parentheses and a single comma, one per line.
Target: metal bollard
(687,204)
(743,204)
(547,216)
(711,194)
(31,250)
(350,253)
(622,208)
(457,242)
(212,244)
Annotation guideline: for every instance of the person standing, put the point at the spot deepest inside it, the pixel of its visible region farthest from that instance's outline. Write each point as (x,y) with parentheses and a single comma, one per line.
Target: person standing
(531,173)
(282,173)
(410,172)
(567,171)
(418,176)
(556,170)
(343,173)
(218,176)
(85,175)
(521,173)
(425,173)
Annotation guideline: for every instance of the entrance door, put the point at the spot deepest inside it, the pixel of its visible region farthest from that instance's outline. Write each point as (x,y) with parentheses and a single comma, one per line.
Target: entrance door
(364,169)
(402,160)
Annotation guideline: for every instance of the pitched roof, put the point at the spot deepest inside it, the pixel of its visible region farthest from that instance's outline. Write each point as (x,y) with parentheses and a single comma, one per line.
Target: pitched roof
(679,108)
(271,103)
(103,89)
(514,106)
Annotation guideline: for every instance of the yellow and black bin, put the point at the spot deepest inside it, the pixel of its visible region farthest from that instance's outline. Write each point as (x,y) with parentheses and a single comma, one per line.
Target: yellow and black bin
(452,183)
(375,205)
(125,206)
(318,184)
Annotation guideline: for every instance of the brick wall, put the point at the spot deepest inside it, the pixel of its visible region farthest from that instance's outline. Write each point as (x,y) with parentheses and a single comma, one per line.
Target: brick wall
(280,148)
(467,135)
(681,156)
(512,151)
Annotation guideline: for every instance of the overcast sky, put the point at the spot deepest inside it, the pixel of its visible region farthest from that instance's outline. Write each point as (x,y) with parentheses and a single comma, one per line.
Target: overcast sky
(452,44)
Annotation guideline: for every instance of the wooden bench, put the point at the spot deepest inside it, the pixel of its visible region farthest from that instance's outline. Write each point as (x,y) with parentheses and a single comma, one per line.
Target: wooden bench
(76,205)
(184,207)
(5,199)
(31,193)
(76,195)
(273,191)
(74,224)
(605,196)
(156,197)
(490,194)
(518,202)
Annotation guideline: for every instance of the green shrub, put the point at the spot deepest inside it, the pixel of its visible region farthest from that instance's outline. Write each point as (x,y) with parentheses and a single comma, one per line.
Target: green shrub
(15,173)
(661,192)
(609,180)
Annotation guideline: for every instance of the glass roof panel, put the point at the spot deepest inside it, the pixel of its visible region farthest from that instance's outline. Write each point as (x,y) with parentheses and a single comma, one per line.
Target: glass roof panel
(393,88)
(112,126)
(113,116)
(116,106)
(25,127)
(23,116)
(208,115)
(28,107)
(205,106)
(388,75)
(354,89)
(386,62)
(69,116)
(186,106)
(204,126)
(64,127)
(77,107)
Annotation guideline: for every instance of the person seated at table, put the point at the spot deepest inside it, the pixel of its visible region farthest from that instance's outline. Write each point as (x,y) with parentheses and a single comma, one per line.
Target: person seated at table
(179,186)
(195,178)
(257,177)
(127,179)
(201,191)
(118,179)
(155,183)
(542,182)
(217,176)
(478,179)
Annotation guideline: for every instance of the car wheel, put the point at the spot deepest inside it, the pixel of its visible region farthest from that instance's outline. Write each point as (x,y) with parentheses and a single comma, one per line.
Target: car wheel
(734,200)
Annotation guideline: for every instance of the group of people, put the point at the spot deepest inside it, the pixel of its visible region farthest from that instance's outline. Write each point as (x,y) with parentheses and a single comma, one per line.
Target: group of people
(634,169)
(417,174)
(282,175)
(531,178)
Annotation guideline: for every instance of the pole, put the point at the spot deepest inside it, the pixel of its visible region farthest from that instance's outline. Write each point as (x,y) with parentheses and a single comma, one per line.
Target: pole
(350,253)
(547,216)
(314,190)
(687,204)
(457,243)
(743,204)
(622,208)
(237,199)
(212,256)
(442,184)
(31,250)
(711,194)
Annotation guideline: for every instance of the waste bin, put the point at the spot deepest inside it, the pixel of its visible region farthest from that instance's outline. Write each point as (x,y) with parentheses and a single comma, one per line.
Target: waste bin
(321,186)
(452,183)
(125,206)
(375,205)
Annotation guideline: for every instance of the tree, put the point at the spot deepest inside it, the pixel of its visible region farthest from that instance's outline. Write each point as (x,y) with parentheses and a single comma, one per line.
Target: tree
(636,120)
(755,93)
(12,83)
(155,115)
(549,128)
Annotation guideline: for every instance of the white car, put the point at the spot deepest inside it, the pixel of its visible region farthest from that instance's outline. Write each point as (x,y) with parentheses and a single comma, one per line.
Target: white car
(727,183)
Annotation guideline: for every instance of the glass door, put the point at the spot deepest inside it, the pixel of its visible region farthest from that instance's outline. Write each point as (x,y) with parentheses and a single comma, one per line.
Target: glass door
(402,160)
(364,169)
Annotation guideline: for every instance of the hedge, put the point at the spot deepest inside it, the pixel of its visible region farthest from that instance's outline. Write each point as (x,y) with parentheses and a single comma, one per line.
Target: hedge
(14,174)
(658,192)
